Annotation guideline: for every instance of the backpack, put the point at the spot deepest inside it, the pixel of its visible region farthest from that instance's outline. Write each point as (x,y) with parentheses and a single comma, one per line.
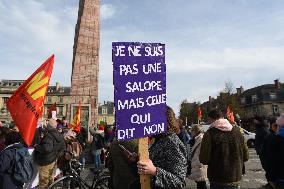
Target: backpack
(24,168)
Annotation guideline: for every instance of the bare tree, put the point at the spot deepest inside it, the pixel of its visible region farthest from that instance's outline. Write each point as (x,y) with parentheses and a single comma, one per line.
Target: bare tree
(229,87)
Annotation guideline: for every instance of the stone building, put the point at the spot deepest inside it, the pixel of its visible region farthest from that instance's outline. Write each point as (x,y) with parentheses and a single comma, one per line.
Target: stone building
(265,101)
(57,93)
(106,113)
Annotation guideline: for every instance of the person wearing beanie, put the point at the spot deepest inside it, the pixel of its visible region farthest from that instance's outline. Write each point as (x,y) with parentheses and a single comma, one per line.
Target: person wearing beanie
(221,144)
(275,165)
(46,153)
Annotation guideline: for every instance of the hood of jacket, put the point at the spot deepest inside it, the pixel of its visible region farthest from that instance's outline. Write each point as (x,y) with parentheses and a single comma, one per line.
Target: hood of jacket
(55,134)
(222,124)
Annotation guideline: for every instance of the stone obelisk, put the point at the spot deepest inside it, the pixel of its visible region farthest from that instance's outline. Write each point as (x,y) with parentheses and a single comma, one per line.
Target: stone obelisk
(85,64)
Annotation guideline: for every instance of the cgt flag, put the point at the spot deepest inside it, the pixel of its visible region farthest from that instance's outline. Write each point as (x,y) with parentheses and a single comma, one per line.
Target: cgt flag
(75,124)
(26,104)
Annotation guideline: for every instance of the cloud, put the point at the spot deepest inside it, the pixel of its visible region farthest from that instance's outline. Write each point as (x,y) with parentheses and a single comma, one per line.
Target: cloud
(107,11)
(31,32)
(194,60)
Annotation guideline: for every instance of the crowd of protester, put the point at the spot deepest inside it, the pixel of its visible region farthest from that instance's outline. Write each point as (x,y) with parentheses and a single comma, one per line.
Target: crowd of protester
(215,157)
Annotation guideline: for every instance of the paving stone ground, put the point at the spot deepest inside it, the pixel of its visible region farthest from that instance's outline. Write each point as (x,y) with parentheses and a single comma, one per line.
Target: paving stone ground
(254,178)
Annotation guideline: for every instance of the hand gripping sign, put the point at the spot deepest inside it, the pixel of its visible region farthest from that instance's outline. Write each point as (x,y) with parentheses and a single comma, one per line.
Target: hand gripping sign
(140,89)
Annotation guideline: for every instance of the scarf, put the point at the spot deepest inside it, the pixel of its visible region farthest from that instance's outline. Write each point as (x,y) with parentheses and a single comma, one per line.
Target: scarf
(222,124)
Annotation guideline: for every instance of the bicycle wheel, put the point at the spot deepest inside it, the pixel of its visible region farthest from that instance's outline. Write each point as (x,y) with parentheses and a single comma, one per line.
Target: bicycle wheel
(66,182)
(102,183)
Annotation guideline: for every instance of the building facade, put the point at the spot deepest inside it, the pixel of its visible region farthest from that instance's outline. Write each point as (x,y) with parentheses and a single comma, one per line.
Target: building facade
(106,113)
(265,101)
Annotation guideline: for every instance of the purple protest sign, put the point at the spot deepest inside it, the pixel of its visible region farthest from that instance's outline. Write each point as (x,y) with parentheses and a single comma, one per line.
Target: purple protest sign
(139,72)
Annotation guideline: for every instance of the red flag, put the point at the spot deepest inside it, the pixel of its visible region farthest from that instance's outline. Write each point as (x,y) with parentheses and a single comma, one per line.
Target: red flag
(50,109)
(230,115)
(26,104)
(76,122)
(199,114)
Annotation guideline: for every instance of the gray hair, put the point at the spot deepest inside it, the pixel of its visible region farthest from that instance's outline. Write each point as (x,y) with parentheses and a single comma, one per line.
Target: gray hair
(198,128)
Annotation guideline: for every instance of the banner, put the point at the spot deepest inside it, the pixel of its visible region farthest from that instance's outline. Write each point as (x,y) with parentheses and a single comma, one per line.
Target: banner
(26,104)
(139,89)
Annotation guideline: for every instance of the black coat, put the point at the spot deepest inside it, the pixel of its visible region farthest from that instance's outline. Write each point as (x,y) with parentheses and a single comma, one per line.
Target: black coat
(261,134)
(49,148)
(266,153)
(7,164)
(275,159)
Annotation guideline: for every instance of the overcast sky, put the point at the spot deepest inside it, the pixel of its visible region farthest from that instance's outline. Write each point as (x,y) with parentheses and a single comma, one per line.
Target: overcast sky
(207,42)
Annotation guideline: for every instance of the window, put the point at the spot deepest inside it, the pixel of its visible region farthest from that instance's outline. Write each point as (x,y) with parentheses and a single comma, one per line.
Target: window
(275,110)
(48,99)
(45,110)
(272,96)
(5,99)
(104,110)
(61,99)
(253,98)
(105,119)
(60,110)
(243,100)
(254,109)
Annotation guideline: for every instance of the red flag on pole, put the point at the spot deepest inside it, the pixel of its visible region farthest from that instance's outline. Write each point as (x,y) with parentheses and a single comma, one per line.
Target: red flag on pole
(50,109)
(27,103)
(230,115)
(199,114)
(75,125)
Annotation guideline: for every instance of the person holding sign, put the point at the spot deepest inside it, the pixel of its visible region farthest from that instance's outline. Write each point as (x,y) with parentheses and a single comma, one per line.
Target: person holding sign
(123,170)
(168,163)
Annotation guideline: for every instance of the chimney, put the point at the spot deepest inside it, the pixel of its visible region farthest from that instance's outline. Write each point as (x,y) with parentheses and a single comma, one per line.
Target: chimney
(57,86)
(277,84)
(240,90)
(210,98)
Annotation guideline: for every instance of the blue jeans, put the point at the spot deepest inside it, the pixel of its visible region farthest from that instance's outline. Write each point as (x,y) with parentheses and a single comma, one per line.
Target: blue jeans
(214,186)
(97,161)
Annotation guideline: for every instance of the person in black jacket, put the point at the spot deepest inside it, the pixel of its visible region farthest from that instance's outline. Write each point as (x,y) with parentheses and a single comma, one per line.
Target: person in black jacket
(266,150)
(262,133)
(275,165)
(47,152)
(7,161)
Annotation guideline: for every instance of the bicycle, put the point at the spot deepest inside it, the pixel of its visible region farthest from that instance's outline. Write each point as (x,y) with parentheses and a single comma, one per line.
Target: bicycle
(72,179)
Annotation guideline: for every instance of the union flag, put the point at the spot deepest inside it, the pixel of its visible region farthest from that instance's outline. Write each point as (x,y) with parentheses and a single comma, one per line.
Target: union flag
(27,102)
(75,125)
